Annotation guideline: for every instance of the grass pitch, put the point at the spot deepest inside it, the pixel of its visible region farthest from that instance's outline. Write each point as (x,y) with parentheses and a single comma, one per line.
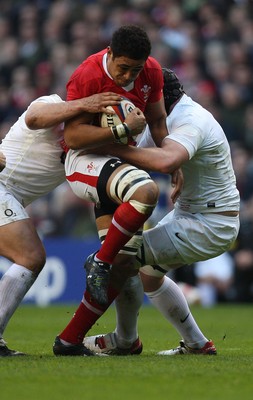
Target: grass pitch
(42,376)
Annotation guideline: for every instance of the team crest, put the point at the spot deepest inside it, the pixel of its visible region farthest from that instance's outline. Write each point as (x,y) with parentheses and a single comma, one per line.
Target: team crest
(146,89)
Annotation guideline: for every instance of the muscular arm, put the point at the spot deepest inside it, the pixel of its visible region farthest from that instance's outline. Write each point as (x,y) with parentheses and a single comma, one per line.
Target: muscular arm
(156,118)
(80,132)
(42,115)
(165,160)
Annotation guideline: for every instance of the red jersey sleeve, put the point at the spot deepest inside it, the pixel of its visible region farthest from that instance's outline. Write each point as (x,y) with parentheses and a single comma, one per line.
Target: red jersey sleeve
(155,77)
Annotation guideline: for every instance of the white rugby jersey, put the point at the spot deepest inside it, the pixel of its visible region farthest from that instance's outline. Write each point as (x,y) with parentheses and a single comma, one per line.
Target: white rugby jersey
(209,179)
(33,158)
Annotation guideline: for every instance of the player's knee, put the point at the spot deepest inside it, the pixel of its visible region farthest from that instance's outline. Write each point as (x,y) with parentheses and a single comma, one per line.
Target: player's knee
(34,260)
(150,283)
(147,194)
(131,183)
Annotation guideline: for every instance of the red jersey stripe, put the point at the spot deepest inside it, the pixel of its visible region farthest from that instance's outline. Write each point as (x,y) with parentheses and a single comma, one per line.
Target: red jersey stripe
(88,179)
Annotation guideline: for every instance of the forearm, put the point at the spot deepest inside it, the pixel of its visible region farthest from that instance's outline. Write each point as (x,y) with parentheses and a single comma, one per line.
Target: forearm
(158,131)
(45,115)
(156,119)
(42,115)
(151,159)
(86,136)
(82,132)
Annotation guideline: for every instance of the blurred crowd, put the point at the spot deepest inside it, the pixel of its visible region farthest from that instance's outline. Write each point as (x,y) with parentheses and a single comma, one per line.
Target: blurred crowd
(210,46)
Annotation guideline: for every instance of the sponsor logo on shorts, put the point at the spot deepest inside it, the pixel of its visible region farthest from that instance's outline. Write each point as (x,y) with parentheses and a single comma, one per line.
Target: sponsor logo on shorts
(8,212)
(114,164)
(91,167)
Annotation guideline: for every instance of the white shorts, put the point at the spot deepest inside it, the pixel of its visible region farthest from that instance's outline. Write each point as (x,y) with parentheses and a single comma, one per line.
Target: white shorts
(10,208)
(182,238)
(82,173)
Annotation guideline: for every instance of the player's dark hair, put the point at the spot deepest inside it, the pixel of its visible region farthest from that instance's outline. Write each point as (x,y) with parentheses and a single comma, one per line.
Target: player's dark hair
(130,41)
(172,90)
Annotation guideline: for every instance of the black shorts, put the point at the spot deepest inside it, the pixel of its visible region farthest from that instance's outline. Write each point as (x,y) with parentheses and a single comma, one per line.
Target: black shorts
(107,206)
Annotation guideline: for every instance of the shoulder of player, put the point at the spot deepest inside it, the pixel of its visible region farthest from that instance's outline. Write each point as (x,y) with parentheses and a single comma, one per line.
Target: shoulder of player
(152,70)
(152,63)
(185,113)
(95,57)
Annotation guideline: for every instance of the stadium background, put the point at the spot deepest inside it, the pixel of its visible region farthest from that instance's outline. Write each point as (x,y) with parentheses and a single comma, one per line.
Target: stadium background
(208,43)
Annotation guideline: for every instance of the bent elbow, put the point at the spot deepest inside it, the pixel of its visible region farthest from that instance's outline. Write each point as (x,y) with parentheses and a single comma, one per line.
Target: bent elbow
(165,170)
(31,122)
(35,122)
(71,144)
(164,167)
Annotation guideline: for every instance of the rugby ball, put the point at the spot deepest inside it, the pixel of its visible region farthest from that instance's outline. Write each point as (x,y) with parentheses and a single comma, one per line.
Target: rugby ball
(121,111)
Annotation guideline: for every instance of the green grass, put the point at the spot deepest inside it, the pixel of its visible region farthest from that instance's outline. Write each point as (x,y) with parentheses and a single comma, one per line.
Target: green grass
(228,376)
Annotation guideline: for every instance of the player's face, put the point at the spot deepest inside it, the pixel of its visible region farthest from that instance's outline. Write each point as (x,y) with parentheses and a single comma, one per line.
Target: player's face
(123,70)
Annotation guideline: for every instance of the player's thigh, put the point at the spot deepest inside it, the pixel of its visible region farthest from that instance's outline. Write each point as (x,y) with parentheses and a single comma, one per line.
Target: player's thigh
(21,244)
(159,248)
(82,174)
(188,238)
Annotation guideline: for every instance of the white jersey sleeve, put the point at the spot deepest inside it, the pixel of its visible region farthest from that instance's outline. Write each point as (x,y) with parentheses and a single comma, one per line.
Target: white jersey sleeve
(210,184)
(146,139)
(209,179)
(33,159)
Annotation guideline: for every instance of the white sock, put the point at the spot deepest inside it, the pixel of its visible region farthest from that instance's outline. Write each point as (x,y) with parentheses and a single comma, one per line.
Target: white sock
(170,301)
(128,304)
(14,284)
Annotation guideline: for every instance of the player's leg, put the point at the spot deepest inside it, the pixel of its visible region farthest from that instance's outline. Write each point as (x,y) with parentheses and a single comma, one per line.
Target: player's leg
(88,312)
(162,291)
(136,195)
(70,341)
(124,340)
(90,309)
(164,294)
(168,298)
(106,180)
(21,245)
(129,300)
(128,304)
